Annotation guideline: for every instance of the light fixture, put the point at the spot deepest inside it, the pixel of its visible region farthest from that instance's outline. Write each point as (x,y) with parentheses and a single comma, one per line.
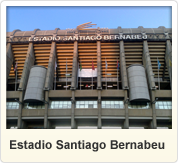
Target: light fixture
(115,85)
(46,102)
(82,85)
(155,101)
(65,86)
(126,101)
(18,101)
(59,85)
(110,86)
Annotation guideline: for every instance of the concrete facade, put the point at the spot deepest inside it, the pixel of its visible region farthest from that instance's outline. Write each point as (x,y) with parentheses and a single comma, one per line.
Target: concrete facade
(48,118)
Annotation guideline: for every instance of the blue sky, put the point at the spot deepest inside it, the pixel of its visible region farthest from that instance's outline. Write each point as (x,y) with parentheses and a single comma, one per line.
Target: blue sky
(49,18)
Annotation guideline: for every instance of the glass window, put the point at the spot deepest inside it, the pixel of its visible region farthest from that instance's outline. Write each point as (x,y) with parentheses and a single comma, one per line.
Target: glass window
(81,102)
(60,105)
(65,106)
(169,107)
(90,102)
(86,104)
(163,105)
(12,105)
(121,106)
(107,106)
(112,104)
(103,102)
(95,102)
(116,102)
(90,106)
(116,106)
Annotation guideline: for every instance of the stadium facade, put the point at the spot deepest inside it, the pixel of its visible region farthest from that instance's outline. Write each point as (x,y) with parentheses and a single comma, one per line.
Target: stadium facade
(89,77)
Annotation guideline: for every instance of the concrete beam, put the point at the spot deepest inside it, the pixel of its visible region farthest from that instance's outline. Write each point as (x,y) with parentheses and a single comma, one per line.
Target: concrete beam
(51,68)
(12,94)
(148,66)
(163,93)
(73,121)
(75,67)
(112,93)
(99,110)
(99,65)
(154,122)
(168,58)
(60,93)
(9,59)
(123,66)
(126,122)
(46,110)
(29,62)
(20,121)
(86,93)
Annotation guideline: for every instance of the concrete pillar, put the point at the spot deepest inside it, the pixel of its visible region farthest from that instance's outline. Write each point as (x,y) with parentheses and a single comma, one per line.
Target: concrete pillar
(73,121)
(46,109)
(168,57)
(148,66)
(123,67)
(99,65)
(24,125)
(99,110)
(29,62)
(49,81)
(154,122)
(74,67)
(20,122)
(126,122)
(151,126)
(51,68)
(49,125)
(9,59)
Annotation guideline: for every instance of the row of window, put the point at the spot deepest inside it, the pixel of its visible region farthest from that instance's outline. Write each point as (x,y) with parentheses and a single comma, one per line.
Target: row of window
(90,104)
(163,105)
(139,105)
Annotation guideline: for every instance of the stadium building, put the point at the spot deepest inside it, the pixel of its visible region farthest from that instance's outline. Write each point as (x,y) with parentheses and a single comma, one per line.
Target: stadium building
(92,77)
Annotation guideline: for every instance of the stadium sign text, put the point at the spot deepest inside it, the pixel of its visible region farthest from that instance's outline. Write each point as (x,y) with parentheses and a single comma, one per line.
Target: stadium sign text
(73,38)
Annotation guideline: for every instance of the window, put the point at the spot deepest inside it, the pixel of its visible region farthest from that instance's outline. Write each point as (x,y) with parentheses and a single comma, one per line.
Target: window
(34,105)
(163,105)
(139,105)
(12,105)
(86,104)
(60,105)
(112,104)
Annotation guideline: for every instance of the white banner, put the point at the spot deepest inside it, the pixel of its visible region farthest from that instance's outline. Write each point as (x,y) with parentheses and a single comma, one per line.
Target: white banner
(87,73)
